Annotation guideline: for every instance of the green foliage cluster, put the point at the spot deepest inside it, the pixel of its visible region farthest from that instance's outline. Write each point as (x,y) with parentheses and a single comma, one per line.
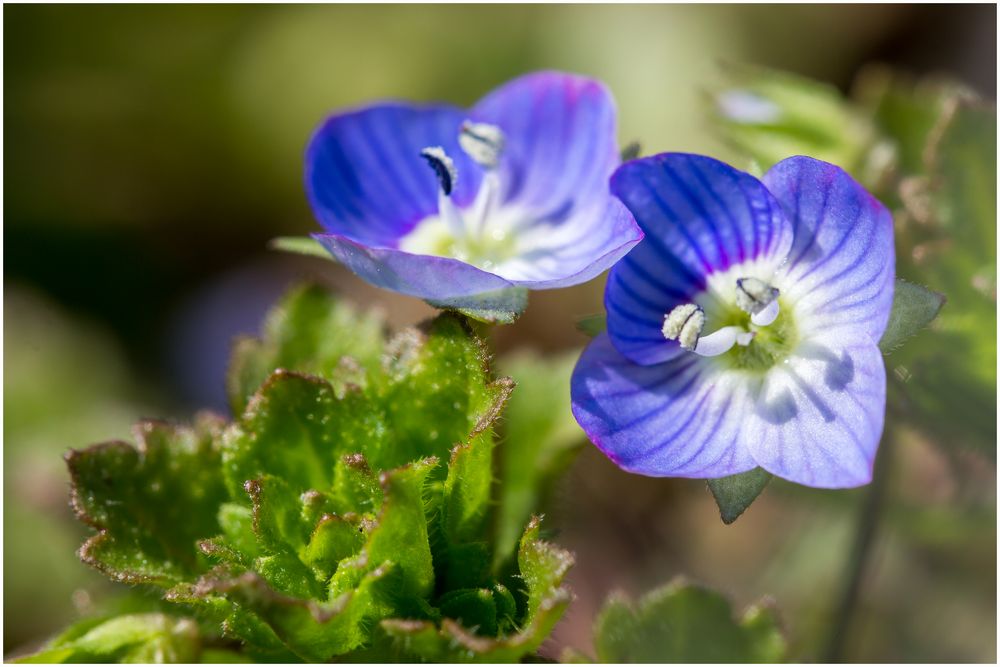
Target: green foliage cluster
(346,513)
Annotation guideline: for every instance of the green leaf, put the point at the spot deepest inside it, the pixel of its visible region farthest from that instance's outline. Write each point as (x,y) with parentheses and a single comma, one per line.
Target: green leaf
(770,115)
(735,493)
(540,439)
(309,332)
(150,503)
(323,509)
(500,307)
(592,325)
(436,390)
(913,308)
(470,475)
(296,428)
(682,622)
(300,245)
(542,570)
(945,201)
(142,638)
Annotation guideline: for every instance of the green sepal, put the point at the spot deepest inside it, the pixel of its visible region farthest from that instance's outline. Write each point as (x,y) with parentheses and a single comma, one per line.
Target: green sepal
(500,307)
(592,325)
(150,503)
(683,622)
(300,245)
(735,493)
(913,308)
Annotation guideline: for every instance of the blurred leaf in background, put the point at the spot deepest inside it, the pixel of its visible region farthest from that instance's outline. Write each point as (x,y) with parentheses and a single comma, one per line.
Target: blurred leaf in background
(65,382)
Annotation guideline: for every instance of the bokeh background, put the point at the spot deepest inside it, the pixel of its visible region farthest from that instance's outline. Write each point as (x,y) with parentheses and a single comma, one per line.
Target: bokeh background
(151,152)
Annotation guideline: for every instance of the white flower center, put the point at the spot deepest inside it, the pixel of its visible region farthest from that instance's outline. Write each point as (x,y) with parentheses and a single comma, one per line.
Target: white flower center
(686,322)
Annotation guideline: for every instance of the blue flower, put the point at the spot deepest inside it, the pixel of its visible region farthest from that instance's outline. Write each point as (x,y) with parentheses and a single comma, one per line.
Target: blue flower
(743,331)
(449,205)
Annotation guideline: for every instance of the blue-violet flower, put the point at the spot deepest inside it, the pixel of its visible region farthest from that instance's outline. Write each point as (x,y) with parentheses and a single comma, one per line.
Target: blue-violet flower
(448,204)
(743,331)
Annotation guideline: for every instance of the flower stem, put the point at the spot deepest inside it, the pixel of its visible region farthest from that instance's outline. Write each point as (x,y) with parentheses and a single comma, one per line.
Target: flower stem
(857,564)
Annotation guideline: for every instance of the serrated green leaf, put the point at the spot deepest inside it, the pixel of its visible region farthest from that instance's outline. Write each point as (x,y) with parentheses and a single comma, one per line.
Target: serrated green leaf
(300,245)
(439,378)
(540,439)
(913,308)
(296,428)
(140,638)
(150,503)
(542,569)
(334,539)
(735,493)
(682,622)
(308,332)
(400,532)
(470,475)
(500,307)
(592,325)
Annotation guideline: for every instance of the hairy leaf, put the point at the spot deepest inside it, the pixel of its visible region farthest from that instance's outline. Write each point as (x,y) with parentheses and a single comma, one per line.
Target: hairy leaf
(682,622)
(542,569)
(151,502)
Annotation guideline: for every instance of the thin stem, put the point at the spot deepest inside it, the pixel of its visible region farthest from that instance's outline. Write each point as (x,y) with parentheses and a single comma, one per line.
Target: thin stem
(857,565)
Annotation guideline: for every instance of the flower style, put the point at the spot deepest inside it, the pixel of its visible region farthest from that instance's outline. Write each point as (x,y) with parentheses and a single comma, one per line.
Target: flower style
(743,330)
(450,205)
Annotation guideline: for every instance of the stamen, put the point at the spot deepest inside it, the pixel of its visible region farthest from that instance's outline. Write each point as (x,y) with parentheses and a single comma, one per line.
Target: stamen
(754,295)
(766,315)
(721,341)
(443,167)
(446,174)
(482,142)
(684,324)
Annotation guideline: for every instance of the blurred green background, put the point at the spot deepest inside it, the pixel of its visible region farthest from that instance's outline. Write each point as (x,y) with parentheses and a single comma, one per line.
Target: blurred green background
(151,152)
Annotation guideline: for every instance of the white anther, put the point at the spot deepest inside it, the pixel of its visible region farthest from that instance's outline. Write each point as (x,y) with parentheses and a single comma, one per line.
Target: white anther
(753,295)
(443,167)
(766,315)
(684,324)
(482,142)
(745,338)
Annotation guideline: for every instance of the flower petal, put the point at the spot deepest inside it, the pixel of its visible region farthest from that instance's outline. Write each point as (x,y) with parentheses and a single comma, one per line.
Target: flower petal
(365,178)
(682,418)
(700,216)
(560,149)
(560,140)
(841,268)
(819,417)
(446,281)
(575,251)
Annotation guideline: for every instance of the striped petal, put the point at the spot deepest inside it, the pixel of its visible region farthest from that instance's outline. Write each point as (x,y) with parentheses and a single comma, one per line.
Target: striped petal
(365,178)
(818,418)
(559,152)
(841,268)
(682,418)
(560,144)
(700,217)
(561,255)
(444,280)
